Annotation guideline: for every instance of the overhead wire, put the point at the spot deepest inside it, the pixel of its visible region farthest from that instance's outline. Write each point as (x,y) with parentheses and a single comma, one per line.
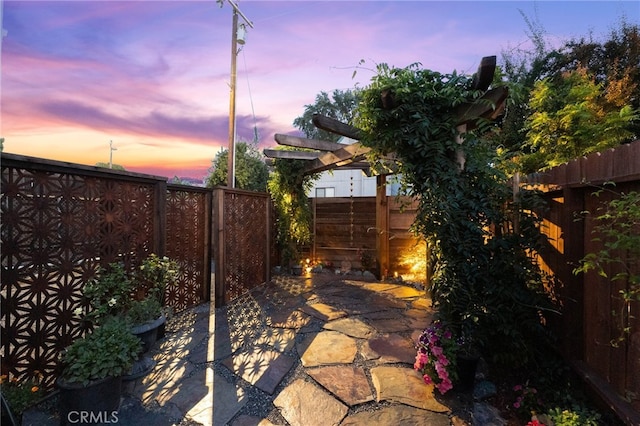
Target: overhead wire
(253,113)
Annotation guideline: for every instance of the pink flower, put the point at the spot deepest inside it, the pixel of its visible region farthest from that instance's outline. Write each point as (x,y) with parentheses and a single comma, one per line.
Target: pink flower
(443,360)
(444,386)
(517,387)
(436,350)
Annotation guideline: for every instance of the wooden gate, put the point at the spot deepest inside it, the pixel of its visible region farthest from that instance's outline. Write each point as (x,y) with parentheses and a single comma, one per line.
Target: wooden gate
(241,242)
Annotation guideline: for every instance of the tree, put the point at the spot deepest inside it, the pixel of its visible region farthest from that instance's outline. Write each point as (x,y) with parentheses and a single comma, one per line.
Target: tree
(341,106)
(572,117)
(251,171)
(592,79)
(113,166)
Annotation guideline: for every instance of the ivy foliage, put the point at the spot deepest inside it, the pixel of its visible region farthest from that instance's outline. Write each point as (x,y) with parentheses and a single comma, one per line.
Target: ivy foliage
(288,188)
(485,284)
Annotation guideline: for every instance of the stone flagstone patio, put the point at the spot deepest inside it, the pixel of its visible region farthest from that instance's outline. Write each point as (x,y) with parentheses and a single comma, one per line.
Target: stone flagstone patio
(317,350)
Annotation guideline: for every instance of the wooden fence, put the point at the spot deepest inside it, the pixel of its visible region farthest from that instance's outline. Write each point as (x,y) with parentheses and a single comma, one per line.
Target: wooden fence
(345,230)
(62,221)
(592,304)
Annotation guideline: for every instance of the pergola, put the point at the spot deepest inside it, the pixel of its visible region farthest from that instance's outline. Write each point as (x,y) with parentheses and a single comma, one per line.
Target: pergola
(323,155)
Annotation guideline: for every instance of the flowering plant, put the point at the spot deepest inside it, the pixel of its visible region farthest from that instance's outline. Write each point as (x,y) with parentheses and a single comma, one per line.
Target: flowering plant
(527,400)
(20,394)
(436,356)
(138,295)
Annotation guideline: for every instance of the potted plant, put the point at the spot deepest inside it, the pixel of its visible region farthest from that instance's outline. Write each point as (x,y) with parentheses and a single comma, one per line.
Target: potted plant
(445,358)
(436,356)
(92,370)
(18,394)
(136,295)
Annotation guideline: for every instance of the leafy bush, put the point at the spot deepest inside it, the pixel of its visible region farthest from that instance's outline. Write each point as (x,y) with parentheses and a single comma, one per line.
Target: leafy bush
(136,295)
(108,351)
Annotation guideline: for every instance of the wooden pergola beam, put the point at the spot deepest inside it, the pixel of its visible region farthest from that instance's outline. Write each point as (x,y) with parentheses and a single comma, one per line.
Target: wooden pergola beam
(346,155)
(337,127)
(488,107)
(297,142)
(292,155)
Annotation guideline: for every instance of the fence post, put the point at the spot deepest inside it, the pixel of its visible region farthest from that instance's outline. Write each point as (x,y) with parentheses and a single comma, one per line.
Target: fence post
(160,218)
(382,225)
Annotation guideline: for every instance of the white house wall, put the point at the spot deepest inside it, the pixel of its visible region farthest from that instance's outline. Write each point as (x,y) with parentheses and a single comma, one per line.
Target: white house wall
(347,183)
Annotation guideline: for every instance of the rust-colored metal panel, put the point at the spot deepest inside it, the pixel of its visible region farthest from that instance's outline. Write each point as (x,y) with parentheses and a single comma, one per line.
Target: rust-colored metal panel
(242,232)
(187,230)
(60,223)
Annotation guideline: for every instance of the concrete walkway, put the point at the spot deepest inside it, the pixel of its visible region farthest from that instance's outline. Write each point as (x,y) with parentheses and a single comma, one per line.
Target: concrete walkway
(319,350)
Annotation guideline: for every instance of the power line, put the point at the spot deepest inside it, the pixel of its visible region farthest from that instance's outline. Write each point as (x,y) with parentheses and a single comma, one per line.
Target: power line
(253,112)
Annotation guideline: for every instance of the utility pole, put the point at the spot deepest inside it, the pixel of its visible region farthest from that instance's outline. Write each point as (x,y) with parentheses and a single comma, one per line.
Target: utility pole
(111,149)
(235,38)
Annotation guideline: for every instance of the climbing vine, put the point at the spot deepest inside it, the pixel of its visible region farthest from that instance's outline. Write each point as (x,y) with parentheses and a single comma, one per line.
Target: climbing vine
(288,188)
(484,282)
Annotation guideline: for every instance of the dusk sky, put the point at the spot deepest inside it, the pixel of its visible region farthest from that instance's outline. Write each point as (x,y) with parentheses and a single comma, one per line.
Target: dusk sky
(153,76)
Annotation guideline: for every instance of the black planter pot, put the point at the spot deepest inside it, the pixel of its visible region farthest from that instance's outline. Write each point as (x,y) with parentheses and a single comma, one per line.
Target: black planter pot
(8,418)
(466,368)
(95,403)
(148,332)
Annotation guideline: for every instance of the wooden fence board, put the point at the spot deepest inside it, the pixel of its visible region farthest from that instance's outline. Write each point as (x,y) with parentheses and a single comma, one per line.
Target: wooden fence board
(341,236)
(587,325)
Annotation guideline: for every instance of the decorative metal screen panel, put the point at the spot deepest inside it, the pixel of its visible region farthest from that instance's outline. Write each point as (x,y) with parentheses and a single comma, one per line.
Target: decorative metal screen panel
(57,229)
(187,242)
(246,249)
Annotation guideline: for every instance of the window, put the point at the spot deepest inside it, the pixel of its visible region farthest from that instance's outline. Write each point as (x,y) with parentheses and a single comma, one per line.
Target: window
(325,192)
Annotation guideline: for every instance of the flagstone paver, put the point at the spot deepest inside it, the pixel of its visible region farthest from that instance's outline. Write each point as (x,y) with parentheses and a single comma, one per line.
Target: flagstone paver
(391,325)
(323,311)
(404,385)
(327,347)
(395,290)
(397,415)
(347,382)
(351,327)
(305,404)
(288,319)
(228,366)
(419,314)
(281,339)
(162,383)
(386,313)
(220,402)
(245,420)
(389,348)
(422,303)
(262,368)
